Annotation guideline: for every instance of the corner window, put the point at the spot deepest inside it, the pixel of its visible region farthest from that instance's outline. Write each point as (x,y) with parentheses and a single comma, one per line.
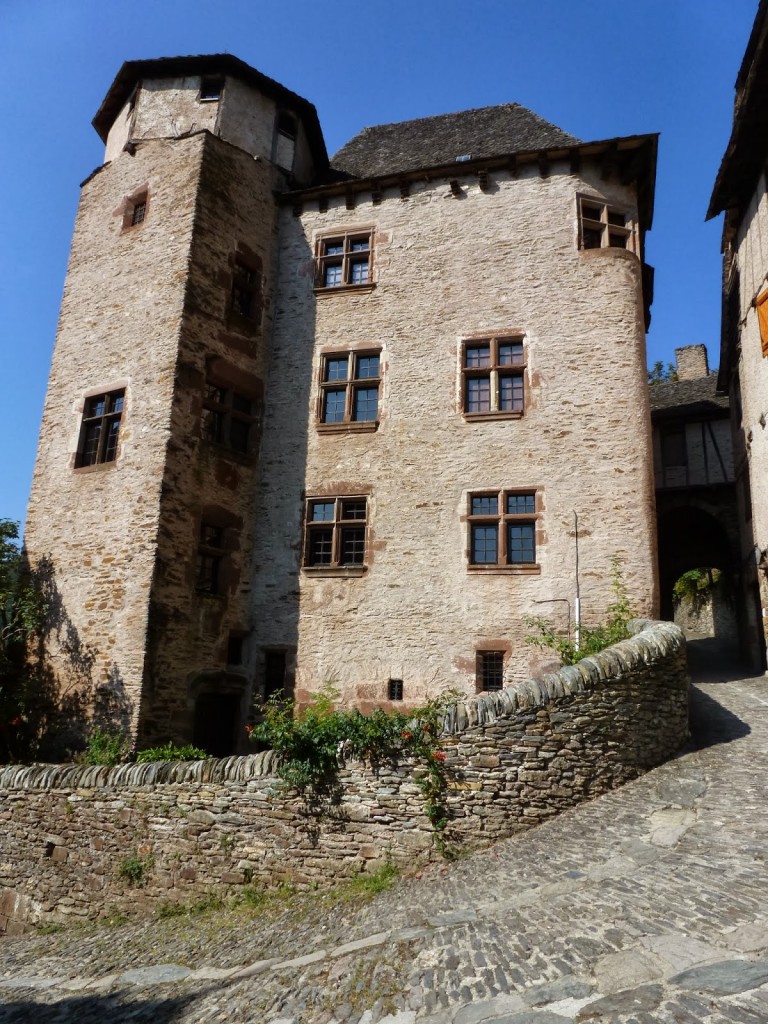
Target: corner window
(245,287)
(344,260)
(335,532)
(210,558)
(502,529)
(493,376)
(602,226)
(228,418)
(100,429)
(489,673)
(210,88)
(349,388)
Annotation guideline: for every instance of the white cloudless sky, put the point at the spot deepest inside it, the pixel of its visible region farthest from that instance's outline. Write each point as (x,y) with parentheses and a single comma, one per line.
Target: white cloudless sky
(596,68)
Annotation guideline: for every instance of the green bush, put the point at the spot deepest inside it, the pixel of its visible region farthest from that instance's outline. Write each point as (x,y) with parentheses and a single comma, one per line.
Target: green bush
(170,752)
(591,638)
(134,869)
(108,748)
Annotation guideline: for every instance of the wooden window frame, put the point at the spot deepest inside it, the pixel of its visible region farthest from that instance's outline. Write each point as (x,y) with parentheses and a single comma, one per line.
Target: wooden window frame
(605,224)
(107,445)
(136,210)
(336,526)
(347,259)
(487,662)
(761,308)
(351,384)
(211,552)
(245,291)
(502,520)
(221,415)
(495,372)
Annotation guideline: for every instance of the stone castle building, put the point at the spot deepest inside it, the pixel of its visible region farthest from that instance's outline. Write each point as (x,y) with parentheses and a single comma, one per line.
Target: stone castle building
(345,421)
(741,191)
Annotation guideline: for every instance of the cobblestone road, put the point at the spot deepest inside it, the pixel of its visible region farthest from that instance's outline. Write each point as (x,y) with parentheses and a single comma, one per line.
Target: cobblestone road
(646,905)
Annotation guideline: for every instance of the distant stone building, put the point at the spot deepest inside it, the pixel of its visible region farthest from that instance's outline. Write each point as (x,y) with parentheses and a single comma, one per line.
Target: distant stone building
(740,191)
(696,507)
(314,421)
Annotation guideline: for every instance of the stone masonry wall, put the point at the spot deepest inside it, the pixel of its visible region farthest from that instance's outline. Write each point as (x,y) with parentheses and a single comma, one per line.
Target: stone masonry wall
(514,758)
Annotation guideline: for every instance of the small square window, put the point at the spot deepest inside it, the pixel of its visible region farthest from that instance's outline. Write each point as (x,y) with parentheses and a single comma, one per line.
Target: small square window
(344,261)
(493,377)
(490,670)
(100,429)
(210,88)
(135,210)
(395,689)
(349,388)
(604,227)
(335,532)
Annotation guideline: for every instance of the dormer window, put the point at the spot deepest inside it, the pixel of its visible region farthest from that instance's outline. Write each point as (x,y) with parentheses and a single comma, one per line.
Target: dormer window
(210,88)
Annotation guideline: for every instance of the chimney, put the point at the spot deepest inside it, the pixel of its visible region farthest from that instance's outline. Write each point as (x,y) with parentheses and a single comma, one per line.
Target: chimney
(692,362)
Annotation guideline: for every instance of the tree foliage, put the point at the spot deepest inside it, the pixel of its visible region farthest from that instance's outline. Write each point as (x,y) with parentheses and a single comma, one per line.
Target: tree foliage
(660,374)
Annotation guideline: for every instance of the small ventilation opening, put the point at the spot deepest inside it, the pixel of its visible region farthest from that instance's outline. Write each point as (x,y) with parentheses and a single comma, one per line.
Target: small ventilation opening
(395,689)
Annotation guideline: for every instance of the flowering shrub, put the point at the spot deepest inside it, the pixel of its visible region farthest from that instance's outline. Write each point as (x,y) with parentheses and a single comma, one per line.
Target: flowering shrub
(315,739)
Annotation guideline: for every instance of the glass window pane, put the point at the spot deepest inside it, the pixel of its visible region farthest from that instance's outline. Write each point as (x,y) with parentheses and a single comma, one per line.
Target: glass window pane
(96,406)
(241,404)
(366,404)
(491,669)
(478,394)
(239,432)
(359,245)
(367,366)
(521,504)
(521,543)
(116,402)
(336,369)
(320,547)
(110,449)
(334,406)
(91,444)
(352,545)
(590,212)
(477,355)
(511,354)
(353,509)
(322,511)
(592,238)
(333,248)
(615,217)
(212,536)
(333,276)
(616,240)
(484,548)
(359,272)
(485,505)
(213,425)
(511,394)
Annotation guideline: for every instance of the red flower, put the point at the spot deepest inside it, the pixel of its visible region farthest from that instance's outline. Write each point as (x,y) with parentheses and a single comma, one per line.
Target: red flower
(406,735)
(439,755)
(249,729)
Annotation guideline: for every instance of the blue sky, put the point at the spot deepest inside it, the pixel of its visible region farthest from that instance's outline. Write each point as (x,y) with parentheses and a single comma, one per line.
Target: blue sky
(596,68)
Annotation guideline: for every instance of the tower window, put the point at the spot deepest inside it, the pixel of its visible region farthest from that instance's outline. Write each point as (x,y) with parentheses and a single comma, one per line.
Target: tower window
(100,429)
(245,284)
(344,261)
(603,227)
(210,88)
(210,557)
(135,210)
(228,418)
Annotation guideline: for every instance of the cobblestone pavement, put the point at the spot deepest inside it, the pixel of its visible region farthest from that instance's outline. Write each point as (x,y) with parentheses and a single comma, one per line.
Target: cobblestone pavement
(645,905)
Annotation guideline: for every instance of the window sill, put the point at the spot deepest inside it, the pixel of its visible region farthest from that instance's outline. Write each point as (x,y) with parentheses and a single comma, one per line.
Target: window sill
(341,571)
(321,290)
(482,417)
(609,250)
(506,570)
(355,427)
(97,467)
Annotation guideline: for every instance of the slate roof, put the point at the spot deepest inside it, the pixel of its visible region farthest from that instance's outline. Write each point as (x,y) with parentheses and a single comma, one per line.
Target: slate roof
(689,398)
(433,141)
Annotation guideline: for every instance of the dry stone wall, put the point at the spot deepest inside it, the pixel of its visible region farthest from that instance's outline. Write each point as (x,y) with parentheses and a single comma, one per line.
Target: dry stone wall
(514,758)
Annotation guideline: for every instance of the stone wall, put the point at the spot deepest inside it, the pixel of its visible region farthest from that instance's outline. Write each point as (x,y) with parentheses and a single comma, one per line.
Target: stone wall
(514,758)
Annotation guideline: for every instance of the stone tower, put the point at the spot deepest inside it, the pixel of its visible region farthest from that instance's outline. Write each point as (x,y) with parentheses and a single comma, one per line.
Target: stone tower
(147,463)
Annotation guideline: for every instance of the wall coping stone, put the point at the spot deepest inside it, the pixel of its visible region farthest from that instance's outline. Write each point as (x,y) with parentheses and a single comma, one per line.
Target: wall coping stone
(650,641)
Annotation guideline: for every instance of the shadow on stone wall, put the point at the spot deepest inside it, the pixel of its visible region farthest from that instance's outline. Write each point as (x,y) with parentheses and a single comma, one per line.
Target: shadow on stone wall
(62,700)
